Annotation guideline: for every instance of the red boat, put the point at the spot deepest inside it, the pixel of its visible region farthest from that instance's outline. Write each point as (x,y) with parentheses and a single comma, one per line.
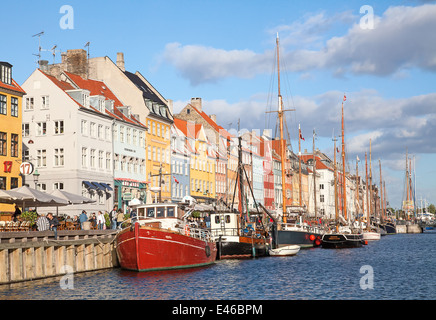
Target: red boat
(158,240)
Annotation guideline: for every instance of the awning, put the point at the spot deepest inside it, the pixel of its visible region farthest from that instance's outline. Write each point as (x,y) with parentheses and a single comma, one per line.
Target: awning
(99,186)
(108,187)
(89,185)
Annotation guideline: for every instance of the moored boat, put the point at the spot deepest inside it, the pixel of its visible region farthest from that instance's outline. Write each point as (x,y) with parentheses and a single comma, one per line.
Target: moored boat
(339,240)
(285,251)
(371,235)
(158,240)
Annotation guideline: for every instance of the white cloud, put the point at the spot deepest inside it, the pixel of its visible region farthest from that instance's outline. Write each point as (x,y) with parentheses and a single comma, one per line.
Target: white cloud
(403,38)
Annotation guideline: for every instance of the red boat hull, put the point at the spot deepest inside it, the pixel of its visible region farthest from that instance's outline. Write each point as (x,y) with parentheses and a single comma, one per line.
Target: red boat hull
(150,249)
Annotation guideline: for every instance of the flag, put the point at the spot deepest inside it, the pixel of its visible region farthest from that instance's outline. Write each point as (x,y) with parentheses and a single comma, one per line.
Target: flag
(301,136)
(337,150)
(345,98)
(357,158)
(177,181)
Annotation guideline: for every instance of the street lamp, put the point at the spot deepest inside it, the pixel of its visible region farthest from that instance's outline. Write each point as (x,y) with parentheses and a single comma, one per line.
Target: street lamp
(36,177)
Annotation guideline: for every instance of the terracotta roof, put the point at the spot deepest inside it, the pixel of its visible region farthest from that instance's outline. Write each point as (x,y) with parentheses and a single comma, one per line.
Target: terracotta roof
(13,86)
(223,132)
(95,87)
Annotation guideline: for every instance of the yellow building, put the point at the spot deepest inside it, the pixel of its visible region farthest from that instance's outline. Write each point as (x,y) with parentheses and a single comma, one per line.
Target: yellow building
(11,95)
(202,171)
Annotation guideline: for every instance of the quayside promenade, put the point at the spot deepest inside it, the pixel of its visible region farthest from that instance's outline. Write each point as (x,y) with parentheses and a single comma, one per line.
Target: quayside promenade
(37,255)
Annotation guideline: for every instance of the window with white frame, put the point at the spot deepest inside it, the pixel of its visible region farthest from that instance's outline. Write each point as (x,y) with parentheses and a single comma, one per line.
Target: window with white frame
(29,103)
(84,127)
(41,157)
(58,157)
(44,102)
(84,157)
(41,128)
(59,127)
(92,158)
(58,186)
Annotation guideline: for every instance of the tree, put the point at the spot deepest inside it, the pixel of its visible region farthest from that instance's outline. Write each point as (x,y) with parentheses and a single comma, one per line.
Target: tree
(431,208)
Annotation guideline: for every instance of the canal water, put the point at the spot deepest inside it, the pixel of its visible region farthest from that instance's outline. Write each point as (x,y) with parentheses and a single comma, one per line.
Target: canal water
(397,267)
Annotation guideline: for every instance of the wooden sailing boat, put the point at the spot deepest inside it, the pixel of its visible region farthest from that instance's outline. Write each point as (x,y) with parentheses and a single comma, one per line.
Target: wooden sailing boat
(370,232)
(235,235)
(298,233)
(341,236)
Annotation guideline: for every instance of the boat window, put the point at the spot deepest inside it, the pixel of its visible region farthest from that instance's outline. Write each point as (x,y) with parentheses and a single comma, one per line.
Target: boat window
(140,212)
(170,211)
(150,212)
(160,212)
(227,218)
(217,219)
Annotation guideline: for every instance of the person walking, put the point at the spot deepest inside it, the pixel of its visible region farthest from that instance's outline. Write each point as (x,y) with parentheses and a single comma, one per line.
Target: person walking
(100,220)
(113,216)
(83,218)
(54,222)
(120,218)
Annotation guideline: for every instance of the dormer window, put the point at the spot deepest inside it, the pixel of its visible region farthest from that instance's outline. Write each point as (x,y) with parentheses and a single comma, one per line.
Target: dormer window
(6,73)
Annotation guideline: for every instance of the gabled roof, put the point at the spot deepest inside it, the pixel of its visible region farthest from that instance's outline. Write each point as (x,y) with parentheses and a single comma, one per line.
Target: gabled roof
(13,86)
(223,132)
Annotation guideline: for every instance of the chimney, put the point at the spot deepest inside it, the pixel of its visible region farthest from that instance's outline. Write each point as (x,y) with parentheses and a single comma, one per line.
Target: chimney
(213,117)
(120,61)
(170,106)
(76,61)
(43,65)
(196,103)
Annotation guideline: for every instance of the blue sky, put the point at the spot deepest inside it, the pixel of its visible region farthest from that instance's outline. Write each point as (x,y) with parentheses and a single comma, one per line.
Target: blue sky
(223,52)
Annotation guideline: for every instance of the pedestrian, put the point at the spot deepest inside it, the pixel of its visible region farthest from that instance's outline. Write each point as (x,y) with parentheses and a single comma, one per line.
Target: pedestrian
(42,223)
(100,220)
(93,221)
(17,213)
(83,218)
(207,220)
(113,217)
(120,218)
(53,221)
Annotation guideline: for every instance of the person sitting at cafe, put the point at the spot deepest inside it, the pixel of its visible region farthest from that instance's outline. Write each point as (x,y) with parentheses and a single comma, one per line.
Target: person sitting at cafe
(17,213)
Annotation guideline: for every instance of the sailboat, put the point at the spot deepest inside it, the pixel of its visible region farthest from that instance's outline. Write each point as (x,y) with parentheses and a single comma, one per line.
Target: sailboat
(236,236)
(342,236)
(297,233)
(370,232)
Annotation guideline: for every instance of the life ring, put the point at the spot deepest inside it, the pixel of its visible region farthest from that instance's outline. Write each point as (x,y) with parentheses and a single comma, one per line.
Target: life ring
(186,230)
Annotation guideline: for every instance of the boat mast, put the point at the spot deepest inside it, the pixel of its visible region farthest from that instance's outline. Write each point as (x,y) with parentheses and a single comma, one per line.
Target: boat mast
(367,192)
(357,185)
(299,165)
(314,172)
(370,180)
(282,141)
(381,193)
(336,188)
(343,164)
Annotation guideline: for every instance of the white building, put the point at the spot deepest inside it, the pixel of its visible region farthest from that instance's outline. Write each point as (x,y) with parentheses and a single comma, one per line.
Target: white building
(68,141)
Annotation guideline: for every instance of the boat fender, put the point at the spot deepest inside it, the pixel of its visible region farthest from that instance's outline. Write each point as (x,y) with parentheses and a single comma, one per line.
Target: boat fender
(317,242)
(187,230)
(312,237)
(207,250)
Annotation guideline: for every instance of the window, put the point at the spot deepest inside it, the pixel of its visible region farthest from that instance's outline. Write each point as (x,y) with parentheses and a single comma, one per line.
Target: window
(128,136)
(14,183)
(6,74)
(41,128)
(115,132)
(108,133)
(100,159)
(92,158)
(3,103)
(84,127)
(25,129)
(2,183)
(44,102)
(135,137)
(149,152)
(158,129)
(108,160)
(321,198)
(93,129)
(100,131)
(84,157)
(14,145)
(321,186)
(41,158)
(14,107)
(59,127)
(29,103)
(121,134)
(58,186)
(59,157)
(3,144)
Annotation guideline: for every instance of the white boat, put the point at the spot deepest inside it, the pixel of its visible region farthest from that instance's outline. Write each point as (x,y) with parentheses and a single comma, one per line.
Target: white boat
(371,235)
(291,250)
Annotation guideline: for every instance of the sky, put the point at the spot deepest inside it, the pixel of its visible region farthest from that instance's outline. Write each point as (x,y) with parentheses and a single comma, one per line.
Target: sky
(380,54)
